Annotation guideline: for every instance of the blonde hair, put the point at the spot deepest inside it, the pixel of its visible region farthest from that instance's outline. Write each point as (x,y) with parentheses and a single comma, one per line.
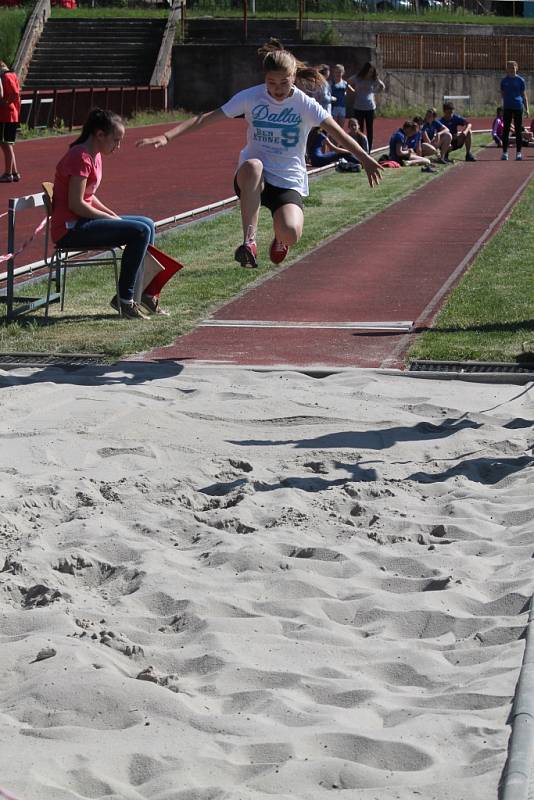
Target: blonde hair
(277,59)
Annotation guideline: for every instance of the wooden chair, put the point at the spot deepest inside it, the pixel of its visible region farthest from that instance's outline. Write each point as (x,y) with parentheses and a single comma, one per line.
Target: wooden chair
(63,258)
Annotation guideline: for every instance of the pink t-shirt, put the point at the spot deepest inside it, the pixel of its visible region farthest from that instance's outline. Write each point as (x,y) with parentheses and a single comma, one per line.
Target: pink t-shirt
(79,163)
(498,127)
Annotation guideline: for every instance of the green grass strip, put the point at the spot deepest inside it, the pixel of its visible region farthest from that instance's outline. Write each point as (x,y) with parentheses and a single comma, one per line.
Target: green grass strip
(290,11)
(490,314)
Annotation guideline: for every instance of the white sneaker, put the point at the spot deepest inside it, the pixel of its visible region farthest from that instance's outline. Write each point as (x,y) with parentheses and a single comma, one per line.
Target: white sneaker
(504,157)
(519,156)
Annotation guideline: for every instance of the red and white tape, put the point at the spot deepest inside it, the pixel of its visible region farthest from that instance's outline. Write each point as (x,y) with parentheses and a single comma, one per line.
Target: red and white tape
(7,795)
(25,244)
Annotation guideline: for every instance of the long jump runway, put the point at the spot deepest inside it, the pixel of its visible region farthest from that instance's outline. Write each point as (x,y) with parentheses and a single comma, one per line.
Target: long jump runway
(350,302)
(353,301)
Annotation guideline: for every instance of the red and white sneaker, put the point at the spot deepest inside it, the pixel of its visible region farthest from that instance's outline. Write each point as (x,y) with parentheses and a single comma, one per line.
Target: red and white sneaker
(246,255)
(278,251)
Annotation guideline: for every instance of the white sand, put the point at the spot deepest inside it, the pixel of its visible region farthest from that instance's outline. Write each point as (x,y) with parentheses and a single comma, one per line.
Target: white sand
(324,581)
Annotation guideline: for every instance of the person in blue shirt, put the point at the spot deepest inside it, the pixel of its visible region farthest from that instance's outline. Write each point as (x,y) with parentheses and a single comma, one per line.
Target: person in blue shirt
(435,134)
(338,89)
(400,150)
(514,102)
(461,137)
(321,151)
(415,140)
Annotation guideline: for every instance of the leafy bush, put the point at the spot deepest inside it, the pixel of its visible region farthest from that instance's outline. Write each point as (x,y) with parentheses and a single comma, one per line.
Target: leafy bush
(12,22)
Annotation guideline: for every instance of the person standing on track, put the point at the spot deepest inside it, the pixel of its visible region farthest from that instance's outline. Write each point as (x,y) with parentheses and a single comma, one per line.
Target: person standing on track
(514,103)
(9,121)
(272,167)
(366,84)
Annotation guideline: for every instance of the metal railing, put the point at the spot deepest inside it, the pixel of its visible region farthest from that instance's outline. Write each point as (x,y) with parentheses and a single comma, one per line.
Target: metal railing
(45,108)
(444,52)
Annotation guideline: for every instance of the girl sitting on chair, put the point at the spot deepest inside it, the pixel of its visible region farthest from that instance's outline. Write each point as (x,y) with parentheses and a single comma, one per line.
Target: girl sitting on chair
(80,221)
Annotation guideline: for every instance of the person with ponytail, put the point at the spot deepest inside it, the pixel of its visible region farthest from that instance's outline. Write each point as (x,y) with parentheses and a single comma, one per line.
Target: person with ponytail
(272,166)
(80,221)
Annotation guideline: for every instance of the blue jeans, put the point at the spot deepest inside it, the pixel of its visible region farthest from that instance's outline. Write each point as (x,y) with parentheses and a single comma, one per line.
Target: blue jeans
(136,233)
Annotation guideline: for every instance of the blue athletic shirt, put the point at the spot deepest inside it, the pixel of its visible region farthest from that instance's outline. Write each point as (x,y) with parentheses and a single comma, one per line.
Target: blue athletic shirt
(414,140)
(453,123)
(398,137)
(431,128)
(339,91)
(277,133)
(512,88)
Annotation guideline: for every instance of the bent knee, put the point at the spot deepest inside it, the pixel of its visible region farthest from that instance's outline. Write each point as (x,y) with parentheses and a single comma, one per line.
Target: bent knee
(288,234)
(252,167)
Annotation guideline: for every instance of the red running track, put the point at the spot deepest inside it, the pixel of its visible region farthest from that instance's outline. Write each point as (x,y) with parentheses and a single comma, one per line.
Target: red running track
(396,266)
(192,172)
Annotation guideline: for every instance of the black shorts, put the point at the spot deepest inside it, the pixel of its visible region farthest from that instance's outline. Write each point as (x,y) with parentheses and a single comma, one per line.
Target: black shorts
(8,132)
(274,197)
(455,144)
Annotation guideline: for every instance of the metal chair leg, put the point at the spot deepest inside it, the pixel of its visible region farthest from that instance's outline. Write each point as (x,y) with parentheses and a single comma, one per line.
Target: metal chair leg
(64,282)
(116,268)
(51,266)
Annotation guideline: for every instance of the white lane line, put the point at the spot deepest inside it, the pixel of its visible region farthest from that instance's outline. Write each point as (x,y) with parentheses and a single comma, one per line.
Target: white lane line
(402,326)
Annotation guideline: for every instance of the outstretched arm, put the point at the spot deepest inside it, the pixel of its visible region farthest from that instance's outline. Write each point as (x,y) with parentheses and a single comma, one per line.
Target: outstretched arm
(188,125)
(372,168)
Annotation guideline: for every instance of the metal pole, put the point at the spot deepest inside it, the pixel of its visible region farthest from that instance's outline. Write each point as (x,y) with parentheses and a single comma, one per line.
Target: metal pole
(11,262)
(301,20)
(72,105)
(245,20)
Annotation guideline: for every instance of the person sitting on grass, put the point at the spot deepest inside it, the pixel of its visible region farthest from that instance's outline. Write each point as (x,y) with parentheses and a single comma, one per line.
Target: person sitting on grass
(354,130)
(460,130)
(497,127)
(526,136)
(416,142)
(435,134)
(322,151)
(400,150)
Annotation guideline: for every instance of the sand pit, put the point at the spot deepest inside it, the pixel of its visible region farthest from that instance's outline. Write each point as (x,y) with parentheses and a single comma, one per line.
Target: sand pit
(242,585)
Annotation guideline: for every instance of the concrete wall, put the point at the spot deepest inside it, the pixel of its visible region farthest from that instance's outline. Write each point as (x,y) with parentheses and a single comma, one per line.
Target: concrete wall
(414,88)
(354,33)
(205,76)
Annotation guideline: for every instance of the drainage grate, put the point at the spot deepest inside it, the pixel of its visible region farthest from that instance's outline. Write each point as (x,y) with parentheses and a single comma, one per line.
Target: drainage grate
(66,360)
(474,367)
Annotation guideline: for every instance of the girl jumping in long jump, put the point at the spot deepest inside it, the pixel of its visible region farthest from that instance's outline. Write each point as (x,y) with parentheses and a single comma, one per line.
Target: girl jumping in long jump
(272,168)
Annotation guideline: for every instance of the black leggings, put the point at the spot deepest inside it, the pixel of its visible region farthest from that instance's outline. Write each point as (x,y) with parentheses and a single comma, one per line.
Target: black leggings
(517,116)
(365,120)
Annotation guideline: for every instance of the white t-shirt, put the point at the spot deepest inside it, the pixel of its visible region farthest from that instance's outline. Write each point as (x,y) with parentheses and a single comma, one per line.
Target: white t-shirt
(277,133)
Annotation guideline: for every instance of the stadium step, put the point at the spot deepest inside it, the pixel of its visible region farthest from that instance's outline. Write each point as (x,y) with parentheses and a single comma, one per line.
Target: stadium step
(89,52)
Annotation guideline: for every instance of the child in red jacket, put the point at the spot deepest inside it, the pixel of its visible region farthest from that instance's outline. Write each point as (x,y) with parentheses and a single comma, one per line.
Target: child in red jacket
(9,121)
